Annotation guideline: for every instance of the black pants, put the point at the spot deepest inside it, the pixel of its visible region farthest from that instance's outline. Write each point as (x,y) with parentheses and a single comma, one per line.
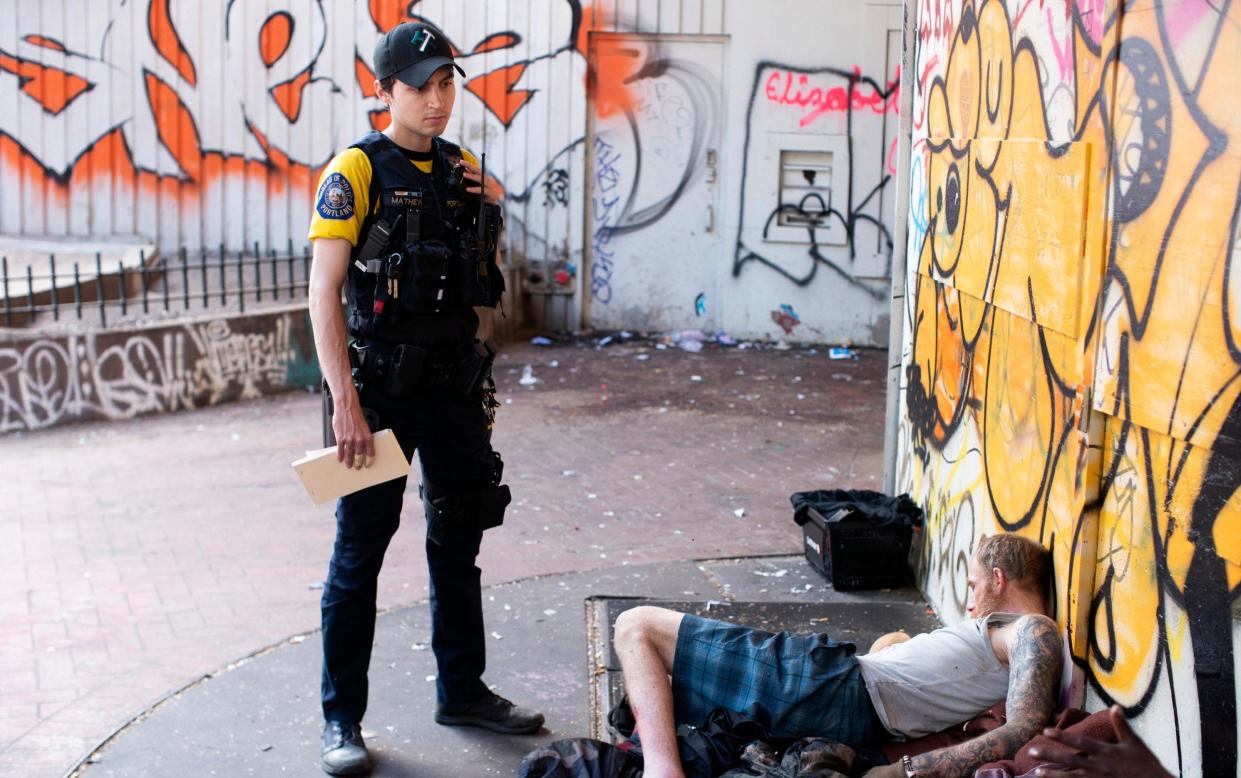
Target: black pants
(449,432)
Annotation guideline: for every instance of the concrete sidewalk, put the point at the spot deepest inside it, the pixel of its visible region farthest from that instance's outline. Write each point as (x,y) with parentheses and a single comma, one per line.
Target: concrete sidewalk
(261,717)
(145,554)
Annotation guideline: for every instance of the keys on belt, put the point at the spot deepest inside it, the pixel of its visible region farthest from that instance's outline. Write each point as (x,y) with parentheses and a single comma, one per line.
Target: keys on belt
(395,263)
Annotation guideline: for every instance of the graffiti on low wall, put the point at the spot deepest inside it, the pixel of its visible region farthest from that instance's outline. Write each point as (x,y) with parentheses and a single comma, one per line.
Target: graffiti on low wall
(125,373)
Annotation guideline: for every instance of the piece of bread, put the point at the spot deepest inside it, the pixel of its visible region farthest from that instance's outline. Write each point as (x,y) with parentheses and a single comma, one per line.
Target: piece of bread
(888,640)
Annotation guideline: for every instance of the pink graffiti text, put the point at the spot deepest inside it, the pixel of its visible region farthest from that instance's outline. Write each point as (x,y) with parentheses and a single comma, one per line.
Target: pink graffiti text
(784,87)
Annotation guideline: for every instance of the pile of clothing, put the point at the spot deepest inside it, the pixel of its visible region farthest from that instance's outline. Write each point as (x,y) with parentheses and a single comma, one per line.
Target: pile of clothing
(731,745)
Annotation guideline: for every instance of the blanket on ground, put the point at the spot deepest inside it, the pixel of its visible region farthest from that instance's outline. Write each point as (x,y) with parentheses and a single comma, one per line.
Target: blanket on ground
(730,745)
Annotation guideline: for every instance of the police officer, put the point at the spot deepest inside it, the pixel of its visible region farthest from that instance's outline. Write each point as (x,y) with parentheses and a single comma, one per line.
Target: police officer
(405,223)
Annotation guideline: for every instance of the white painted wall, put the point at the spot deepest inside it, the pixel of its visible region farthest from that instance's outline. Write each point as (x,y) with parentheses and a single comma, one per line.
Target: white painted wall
(837,285)
(710,263)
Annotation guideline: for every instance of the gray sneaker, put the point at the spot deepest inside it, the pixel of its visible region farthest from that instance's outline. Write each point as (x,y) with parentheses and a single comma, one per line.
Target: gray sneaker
(492,712)
(344,752)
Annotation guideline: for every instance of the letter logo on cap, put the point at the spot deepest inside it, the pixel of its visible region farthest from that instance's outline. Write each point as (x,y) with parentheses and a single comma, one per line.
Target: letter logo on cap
(425,35)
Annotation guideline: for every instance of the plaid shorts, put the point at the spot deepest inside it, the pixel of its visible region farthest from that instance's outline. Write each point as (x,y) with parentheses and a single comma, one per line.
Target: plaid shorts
(794,685)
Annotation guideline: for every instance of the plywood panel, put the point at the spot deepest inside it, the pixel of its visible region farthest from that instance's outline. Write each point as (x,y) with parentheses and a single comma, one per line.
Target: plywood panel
(1010,226)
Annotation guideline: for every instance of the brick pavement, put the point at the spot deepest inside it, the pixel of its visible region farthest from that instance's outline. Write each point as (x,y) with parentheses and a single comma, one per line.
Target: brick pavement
(138,556)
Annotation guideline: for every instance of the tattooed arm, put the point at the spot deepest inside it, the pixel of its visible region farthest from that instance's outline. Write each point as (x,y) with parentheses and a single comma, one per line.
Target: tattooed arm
(1034,659)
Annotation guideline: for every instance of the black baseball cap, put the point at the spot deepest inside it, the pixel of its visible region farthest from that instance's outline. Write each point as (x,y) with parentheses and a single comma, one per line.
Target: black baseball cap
(412,52)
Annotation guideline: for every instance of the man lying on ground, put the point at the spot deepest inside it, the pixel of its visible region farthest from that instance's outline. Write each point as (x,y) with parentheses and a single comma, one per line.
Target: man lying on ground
(678,667)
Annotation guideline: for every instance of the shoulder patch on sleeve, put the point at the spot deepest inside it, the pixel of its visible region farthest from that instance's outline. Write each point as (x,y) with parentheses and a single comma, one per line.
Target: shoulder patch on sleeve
(335,199)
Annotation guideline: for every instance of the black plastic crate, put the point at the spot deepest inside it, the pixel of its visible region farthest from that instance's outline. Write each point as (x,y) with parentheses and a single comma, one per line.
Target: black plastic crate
(855,554)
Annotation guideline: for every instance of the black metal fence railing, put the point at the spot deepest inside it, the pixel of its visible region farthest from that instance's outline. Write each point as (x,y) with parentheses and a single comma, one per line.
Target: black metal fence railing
(185,282)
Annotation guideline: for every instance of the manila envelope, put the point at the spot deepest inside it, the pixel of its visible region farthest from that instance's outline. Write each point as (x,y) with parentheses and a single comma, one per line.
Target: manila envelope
(326,479)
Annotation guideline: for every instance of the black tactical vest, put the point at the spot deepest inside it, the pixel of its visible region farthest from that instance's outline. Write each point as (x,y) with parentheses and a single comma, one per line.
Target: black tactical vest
(421,262)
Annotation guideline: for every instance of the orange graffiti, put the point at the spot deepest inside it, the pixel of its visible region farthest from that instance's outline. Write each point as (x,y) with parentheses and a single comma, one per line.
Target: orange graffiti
(611,64)
(365,77)
(380,119)
(497,41)
(19,165)
(52,87)
(45,42)
(275,36)
(495,89)
(288,95)
(110,159)
(167,42)
(389,13)
(175,126)
(284,174)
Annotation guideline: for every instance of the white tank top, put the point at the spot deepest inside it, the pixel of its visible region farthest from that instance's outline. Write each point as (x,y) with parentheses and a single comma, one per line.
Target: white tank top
(936,680)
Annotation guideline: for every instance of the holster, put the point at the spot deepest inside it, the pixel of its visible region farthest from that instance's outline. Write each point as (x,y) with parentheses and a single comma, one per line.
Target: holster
(471,371)
(479,509)
(370,414)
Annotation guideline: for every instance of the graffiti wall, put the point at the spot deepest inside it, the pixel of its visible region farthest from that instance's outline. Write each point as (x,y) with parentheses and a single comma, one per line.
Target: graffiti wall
(625,133)
(814,213)
(120,374)
(1070,365)
(769,156)
(207,123)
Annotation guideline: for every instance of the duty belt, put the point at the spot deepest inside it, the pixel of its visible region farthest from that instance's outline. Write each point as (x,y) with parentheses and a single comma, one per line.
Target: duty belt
(404,369)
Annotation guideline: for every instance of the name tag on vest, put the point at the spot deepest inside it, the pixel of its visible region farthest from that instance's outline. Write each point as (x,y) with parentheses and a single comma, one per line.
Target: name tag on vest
(403,198)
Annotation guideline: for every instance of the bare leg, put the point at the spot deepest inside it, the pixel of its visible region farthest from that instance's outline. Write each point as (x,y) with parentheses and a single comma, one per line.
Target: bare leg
(646,641)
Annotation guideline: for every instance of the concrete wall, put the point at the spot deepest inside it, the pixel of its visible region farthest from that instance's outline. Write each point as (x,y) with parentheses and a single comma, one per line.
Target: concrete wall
(639,140)
(119,374)
(1070,364)
(685,170)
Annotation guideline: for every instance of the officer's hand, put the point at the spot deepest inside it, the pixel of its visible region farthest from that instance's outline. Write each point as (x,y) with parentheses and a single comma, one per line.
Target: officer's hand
(494,192)
(355,446)
(1078,755)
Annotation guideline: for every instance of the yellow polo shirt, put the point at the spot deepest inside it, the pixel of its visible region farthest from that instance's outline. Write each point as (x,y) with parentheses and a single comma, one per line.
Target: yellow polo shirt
(343,199)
